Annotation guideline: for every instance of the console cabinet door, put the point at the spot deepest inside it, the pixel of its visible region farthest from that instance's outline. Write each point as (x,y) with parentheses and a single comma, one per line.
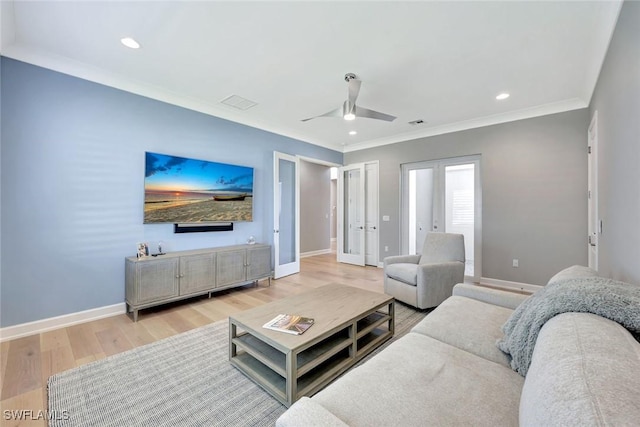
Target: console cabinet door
(157,280)
(258,262)
(197,273)
(230,266)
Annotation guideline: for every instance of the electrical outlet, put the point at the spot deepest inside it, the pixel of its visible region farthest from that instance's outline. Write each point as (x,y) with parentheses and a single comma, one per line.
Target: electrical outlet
(386,248)
(516,263)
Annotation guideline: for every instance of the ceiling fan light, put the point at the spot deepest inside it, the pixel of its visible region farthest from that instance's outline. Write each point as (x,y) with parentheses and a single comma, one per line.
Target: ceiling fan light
(130,43)
(349,116)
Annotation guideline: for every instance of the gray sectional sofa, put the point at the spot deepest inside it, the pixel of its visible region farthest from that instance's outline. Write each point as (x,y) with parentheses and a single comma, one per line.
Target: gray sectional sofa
(585,371)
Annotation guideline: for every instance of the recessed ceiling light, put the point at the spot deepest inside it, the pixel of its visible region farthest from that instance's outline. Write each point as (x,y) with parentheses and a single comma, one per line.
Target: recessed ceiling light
(129,42)
(502,96)
(353,132)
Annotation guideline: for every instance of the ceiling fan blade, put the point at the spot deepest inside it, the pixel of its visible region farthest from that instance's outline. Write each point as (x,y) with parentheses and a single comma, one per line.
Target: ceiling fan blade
(354,90)
(370,114)
(333,113)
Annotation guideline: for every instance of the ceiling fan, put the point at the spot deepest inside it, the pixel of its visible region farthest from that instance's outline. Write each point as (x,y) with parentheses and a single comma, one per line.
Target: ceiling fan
(349,110)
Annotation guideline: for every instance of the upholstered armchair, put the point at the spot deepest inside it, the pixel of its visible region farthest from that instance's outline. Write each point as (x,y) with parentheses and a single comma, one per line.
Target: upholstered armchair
(426,280)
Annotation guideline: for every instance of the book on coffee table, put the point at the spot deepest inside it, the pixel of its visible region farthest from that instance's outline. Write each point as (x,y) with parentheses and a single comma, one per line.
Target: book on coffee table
(289,323)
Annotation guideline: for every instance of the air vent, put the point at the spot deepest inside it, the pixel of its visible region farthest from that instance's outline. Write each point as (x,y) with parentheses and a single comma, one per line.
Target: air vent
(238,102)
(416,122)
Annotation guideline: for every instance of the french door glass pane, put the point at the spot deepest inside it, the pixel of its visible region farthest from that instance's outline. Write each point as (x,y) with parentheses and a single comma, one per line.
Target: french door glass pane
(460,207)
(287,190)
(353,222)
(420,207)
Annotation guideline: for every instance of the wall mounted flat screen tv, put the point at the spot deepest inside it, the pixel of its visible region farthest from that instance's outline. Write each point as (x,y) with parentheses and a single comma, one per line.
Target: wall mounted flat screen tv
(182,190)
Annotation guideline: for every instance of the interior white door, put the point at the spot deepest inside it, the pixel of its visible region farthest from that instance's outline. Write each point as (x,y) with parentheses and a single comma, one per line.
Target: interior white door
(592,241)
(371,214)
(286,215)
(351,214)
(443,196)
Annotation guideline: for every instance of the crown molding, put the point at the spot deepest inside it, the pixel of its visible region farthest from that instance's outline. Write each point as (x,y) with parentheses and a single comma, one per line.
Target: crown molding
(542,110)
(81,70)
(86,72)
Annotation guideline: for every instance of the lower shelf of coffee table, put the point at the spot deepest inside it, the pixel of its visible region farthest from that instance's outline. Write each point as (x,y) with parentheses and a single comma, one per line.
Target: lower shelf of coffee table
(316,365)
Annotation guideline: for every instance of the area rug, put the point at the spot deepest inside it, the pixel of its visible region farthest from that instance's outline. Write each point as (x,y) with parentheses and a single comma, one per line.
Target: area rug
(184,380)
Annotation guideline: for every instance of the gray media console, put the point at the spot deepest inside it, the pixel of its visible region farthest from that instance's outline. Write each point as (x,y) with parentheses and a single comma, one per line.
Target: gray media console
(151,281)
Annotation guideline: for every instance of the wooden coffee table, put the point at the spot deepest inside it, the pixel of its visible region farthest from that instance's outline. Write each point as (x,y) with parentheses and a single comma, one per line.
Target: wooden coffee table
(349,324)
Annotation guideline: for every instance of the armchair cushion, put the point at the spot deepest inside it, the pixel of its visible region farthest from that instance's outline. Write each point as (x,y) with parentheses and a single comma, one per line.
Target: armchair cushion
(442,247)
(406,273)
(401,259)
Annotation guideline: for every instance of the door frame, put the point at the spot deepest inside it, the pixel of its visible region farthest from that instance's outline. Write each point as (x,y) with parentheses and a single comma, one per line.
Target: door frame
(593,228)
(439,166)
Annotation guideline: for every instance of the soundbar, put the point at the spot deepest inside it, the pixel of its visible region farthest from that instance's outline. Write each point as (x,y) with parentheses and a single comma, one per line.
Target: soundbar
(202,227)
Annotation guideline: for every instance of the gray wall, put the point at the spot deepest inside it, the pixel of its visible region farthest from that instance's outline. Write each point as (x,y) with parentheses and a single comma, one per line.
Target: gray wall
(617,101)
(534,182)
(72,171)
(315,203)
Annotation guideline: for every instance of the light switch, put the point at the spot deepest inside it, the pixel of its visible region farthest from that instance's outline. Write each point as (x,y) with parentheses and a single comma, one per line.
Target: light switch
(385,217)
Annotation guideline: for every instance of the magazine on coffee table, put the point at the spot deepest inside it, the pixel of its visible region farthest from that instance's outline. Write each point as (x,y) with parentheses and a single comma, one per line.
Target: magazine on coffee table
(289,323)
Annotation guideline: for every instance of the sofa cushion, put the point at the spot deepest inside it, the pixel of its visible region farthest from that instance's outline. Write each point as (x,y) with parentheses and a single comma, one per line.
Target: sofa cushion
(406,273)
(469,325)
(585,371)
(419,380)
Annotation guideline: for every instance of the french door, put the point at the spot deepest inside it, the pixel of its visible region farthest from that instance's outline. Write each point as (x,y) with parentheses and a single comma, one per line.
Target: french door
(357,223)
(443,196)
(286,206)
(351,214)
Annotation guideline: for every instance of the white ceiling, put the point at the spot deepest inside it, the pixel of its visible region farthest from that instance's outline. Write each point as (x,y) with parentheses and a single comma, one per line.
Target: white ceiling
(442,62)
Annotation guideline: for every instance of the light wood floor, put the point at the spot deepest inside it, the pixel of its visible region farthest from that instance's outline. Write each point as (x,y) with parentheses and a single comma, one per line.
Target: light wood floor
(26,363)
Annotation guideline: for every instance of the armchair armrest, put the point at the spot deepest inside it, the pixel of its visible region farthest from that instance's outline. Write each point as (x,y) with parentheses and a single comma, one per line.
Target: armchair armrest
(436,281)
(407,259)
(491,296)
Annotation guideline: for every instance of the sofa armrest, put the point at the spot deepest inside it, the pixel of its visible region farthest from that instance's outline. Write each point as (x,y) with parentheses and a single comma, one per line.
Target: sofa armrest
(407,259)
(491,296)
(307,413)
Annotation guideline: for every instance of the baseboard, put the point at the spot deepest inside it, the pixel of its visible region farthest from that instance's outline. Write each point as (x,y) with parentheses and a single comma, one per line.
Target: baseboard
(314,253)
(44,325)
(505,284)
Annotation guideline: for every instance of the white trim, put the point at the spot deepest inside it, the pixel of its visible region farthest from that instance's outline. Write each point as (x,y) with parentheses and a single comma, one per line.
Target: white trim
(91,73)
(314,253)
(318,161)
(528,113)
(593,220)
(505,284)
(44,325)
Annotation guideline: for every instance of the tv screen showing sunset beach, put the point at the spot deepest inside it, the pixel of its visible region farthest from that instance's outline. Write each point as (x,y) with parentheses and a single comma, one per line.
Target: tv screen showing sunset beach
(181,190)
